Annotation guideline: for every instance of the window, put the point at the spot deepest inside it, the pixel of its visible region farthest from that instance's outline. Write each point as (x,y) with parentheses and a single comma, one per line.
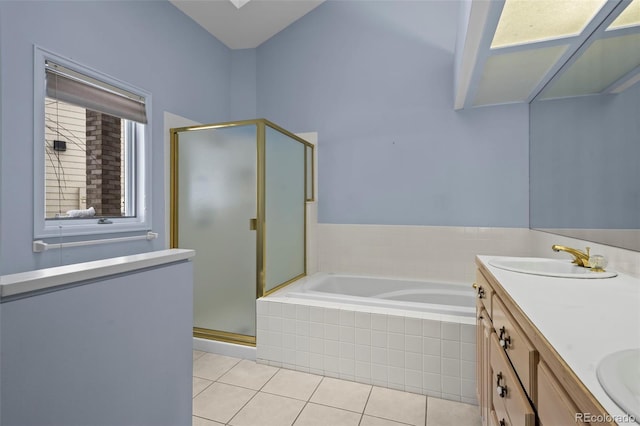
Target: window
(91,168)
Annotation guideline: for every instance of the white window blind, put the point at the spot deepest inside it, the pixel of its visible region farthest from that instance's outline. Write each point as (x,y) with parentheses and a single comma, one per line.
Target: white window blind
(78,89)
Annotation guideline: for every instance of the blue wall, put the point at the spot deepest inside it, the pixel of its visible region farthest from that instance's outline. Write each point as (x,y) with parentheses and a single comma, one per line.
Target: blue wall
(101,352)
(375,80)
(584,162)
(149,44)
(243,85)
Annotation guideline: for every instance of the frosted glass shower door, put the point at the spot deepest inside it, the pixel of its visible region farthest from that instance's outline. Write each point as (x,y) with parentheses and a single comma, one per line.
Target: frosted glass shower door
(216,200)
(284,210)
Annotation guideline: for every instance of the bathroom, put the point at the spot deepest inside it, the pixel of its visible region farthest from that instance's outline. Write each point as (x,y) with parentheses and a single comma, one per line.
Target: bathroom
(407,186)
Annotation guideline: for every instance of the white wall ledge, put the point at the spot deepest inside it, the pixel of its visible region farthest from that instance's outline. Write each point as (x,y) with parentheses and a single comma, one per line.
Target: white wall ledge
(40,279)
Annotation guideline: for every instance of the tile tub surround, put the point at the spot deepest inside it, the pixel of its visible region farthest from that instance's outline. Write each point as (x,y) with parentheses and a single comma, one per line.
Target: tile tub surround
(437,253)
(417,352)
(441,253)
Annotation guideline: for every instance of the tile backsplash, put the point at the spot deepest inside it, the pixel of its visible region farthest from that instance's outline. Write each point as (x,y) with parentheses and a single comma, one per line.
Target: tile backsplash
(440,253)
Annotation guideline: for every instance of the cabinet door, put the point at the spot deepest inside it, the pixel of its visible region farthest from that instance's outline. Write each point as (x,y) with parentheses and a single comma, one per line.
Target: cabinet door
(555,407)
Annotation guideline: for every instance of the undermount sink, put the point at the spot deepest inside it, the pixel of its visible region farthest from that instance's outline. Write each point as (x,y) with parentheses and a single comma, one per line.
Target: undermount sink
(548,267)
(619,375)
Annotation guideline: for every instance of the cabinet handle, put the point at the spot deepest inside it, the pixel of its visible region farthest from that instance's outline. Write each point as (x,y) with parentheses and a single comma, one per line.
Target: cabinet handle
(505,340)
(500,389)
(474,285)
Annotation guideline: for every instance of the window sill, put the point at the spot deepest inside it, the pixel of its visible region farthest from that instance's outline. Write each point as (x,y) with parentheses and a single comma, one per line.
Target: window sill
(87,227)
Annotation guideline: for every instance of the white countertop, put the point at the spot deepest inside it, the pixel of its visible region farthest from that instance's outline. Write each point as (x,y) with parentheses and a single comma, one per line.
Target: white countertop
(584,320)
(23,282)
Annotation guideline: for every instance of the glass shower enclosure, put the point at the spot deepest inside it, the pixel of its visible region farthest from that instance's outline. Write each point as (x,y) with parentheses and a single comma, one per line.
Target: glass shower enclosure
(238,193)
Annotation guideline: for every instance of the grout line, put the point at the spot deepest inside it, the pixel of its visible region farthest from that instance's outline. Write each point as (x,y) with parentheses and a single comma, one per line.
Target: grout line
(245,404)
(205,388)
(270,378)
(388,420)
(303,407)
(316,389)
(308,400)
(426,409)
(365,404)
(203,418)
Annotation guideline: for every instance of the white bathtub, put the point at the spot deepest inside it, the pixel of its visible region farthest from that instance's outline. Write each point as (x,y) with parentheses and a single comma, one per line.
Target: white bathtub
(402,334)
(422,296)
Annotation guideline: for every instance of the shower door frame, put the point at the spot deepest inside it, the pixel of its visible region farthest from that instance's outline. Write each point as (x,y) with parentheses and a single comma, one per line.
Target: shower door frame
(261,124)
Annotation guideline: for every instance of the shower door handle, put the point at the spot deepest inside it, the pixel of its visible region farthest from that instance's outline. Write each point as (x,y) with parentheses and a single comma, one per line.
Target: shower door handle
(253,224)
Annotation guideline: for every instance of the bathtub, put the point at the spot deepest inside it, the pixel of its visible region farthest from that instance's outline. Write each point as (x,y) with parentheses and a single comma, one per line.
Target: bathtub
(401,334)
(423,296)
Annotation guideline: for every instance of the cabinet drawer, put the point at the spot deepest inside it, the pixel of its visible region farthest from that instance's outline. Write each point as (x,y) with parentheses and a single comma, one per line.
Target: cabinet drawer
(513,400)
(521,352)
(555,407)
(484,292)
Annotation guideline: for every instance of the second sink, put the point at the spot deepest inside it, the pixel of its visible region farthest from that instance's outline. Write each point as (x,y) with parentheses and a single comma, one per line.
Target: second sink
(619,375)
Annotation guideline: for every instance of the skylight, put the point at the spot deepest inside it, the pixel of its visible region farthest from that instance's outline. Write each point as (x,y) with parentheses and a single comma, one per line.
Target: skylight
(526,21)
(239,3)
(630,17)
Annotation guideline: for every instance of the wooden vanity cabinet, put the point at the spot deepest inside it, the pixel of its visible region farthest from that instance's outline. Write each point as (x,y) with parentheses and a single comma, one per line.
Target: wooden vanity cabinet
(541,389)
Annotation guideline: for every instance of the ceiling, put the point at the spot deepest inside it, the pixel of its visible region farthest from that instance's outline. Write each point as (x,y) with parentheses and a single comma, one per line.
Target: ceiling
(248,26)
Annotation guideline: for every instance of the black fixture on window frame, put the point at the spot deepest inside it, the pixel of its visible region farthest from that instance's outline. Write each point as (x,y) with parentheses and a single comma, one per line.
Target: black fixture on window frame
(60,146)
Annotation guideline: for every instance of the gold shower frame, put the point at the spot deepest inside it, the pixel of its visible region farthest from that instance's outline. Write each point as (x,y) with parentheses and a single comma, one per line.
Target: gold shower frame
(261,124)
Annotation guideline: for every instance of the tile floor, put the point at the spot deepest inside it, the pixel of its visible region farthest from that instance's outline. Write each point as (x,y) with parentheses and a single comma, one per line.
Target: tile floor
(232,391)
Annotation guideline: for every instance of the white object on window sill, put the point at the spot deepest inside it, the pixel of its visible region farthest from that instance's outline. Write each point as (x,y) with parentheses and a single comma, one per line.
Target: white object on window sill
(90,212)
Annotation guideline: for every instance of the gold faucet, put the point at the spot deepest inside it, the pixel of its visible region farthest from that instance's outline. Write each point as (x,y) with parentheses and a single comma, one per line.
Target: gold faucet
(580,258)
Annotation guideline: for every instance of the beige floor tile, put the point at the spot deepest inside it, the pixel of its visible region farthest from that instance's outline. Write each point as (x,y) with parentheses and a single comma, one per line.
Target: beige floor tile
(377,421)
(197,354)
(268,410)
(341,394)
(320,415)
(199,421)
(212,366)
(441,412)
(248,374)
(292,384)
(396,405)
(220,402)
(199,385)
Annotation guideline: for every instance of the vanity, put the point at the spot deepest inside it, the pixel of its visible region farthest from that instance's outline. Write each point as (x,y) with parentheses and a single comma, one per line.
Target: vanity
(539,341)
